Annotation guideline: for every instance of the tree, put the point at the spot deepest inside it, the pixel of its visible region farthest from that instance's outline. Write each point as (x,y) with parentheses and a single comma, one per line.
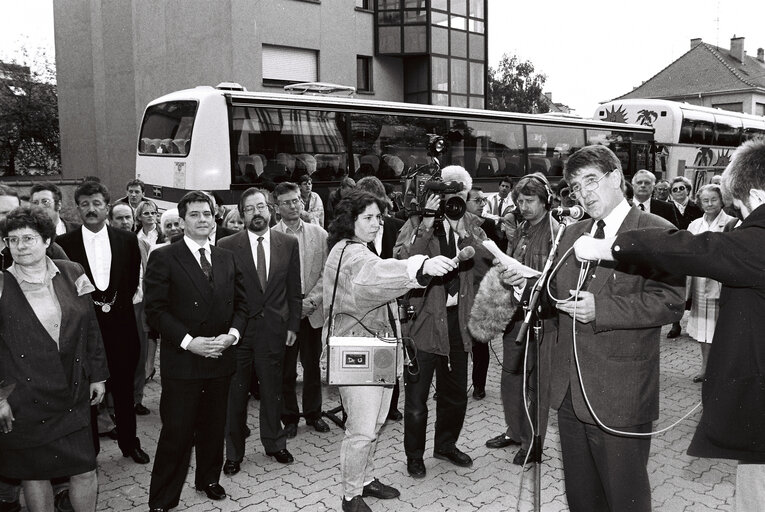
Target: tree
(29,131)
(514,87)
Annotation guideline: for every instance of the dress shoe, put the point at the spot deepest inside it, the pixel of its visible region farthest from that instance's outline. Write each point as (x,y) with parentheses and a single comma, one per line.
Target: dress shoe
(290,430)
(416,468)
(231,468)
(479,394)
(213,491)
(142,410)
(674,332)
(699,378)
(501,441)
(138,455)
(377,489)
(158,509)
(61,502)
(10,506)
(355,505)
(520,457)
(282,456)
(455,456)
(319,425)
(112,434)
(395,415)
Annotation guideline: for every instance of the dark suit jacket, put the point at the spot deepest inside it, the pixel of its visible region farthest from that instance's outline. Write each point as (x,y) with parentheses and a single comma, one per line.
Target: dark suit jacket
(619,350)
(221,233)
(664,210)
(692,212)
(180,300)
(71,226)
(391,227)
(281,302)
(118,327)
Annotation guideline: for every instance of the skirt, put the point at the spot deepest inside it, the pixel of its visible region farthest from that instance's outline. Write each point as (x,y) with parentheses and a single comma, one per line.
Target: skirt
(703,317)
(69,455)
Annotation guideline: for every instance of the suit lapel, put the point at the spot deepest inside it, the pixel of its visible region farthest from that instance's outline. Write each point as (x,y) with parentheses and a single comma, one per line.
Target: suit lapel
(569,275)
(276,250)
(117,258)
(190,265)
(245,250)
(80,256)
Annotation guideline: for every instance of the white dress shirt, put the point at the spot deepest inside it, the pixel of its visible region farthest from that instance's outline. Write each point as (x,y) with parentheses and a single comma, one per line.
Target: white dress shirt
(613,220)
(266,248)
(646,205)
(99,253)
(60,227)
(150,237)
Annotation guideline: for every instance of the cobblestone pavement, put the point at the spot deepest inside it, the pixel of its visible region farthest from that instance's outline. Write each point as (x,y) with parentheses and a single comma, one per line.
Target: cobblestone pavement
(679,482)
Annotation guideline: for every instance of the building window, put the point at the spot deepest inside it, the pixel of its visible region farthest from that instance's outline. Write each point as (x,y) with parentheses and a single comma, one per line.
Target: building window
(364,74)
(733,107)
(363,4)
(285,65)
(759,109)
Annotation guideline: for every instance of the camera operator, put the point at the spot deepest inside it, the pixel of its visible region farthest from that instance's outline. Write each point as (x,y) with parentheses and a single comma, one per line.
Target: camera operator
(364,305)
(439,329)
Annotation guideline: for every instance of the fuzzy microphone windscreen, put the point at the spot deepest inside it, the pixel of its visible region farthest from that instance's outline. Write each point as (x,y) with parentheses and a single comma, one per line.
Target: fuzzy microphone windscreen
(493,307)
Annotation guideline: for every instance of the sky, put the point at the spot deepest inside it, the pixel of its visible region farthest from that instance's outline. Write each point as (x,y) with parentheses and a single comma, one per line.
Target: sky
(590,51)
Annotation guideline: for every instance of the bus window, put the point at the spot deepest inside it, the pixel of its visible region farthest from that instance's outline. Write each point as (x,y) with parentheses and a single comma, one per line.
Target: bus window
(752,129)
(495,149)
(697,128)
(276,145)
(166,128)
(388,146)
(550,146)
(727,130)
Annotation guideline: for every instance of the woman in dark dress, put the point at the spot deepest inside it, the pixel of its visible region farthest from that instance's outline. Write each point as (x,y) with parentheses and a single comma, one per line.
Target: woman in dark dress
(52,367)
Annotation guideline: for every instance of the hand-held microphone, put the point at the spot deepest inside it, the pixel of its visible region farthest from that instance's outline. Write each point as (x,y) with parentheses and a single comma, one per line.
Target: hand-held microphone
(465,254)
(576,212)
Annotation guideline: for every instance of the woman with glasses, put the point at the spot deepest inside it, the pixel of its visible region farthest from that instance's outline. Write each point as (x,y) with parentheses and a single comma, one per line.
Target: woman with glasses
(686,210)
(147,223)
(703,292)
(52,367)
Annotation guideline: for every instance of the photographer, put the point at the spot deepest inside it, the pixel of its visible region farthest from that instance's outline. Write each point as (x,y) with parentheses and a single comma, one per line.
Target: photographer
(365,288)
(439,328)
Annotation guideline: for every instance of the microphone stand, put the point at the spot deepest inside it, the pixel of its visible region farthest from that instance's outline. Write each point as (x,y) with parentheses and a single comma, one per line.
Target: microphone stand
(530,312)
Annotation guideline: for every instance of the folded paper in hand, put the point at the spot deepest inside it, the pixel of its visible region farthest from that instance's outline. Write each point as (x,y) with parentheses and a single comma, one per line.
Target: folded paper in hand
(509,262)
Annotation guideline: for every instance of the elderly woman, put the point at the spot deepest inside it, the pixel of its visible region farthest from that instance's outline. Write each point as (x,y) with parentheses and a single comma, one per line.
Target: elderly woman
(52,356)
(686,210)
(364,305)
(704,292)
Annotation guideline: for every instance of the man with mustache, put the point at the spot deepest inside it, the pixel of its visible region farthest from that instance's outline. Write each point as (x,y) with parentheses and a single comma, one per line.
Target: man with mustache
(270,262)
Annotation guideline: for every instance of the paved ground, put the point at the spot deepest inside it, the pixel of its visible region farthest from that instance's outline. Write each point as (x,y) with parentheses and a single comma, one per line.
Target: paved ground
(680,483)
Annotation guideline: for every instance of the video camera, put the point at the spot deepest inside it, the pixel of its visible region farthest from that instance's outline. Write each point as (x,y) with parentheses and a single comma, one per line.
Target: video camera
(425,180)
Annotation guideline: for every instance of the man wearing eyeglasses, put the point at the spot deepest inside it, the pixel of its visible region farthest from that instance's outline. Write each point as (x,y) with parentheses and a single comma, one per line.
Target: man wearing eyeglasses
(48,197)
(270,262)
(685,209)
(619,313)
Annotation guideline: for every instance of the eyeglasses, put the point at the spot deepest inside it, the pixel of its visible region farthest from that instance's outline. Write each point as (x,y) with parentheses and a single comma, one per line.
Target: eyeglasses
(43,202)
(292,202)
(16,240)
(251,209)
(678,189)
(479,200)
(147,214)
(577,191)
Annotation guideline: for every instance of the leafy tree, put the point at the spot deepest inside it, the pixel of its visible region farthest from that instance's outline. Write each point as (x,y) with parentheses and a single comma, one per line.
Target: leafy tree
(29,130)
(515,87)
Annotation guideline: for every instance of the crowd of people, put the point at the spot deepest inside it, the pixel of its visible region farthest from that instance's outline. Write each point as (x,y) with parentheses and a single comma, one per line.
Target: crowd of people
(234,298)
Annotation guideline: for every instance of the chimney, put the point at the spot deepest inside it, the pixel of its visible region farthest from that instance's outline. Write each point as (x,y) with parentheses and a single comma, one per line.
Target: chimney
(737,48)
(761,55)
(695,42)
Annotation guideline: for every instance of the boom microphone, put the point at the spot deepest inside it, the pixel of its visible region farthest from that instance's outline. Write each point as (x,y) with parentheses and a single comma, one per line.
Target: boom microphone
(465,254)
(576,212)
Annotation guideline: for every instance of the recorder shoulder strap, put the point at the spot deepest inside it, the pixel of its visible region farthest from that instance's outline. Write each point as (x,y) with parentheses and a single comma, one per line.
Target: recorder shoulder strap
(334,292)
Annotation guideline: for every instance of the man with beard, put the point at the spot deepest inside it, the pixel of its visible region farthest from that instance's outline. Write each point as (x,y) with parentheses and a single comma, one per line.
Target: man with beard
(270,261)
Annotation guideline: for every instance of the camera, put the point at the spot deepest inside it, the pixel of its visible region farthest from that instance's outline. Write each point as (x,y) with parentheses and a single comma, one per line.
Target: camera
(406,311)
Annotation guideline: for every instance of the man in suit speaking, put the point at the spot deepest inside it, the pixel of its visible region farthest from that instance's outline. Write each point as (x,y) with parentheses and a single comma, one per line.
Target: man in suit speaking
(195,298)
(605,379)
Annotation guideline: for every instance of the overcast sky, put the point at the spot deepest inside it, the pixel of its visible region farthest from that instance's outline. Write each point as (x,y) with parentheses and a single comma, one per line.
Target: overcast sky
(591,51)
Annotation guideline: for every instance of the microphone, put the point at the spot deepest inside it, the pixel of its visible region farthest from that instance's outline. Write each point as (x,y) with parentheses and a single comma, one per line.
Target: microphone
(576,212)
(465,254)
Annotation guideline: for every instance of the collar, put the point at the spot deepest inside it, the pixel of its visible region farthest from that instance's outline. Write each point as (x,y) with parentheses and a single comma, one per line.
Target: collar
(194,247)
(254,238)
(22,276)
(89,235)
(682,205)
(286,229)
(615,219)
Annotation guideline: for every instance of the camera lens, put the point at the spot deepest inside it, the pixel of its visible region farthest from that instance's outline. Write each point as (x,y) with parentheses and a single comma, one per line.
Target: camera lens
(455,208)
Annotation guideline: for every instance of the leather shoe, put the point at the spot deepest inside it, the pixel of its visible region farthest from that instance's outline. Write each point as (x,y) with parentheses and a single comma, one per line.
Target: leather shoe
(138,455)
(231,468)
(395,415)
(10,506)
(674,332)
(282,456)
(699,378)
(479,394)
(213,491)
(290,430)
(111,434)
(501,441)
(416,468)
(520,457)
(319,425)
(377,489)
(142,410)
(61,502)
(455,456)
(355,505)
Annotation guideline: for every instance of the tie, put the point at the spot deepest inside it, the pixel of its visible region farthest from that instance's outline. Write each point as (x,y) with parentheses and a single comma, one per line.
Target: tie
(371,246)
(261,263)
(453,282)
(600,232)
(205,264)
(499,206)
(642,207)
